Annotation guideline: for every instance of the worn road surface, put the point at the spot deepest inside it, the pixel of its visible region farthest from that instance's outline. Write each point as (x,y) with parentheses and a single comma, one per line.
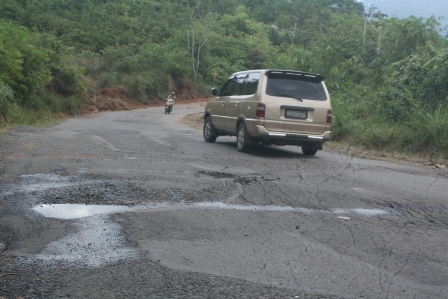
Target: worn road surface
(134,204)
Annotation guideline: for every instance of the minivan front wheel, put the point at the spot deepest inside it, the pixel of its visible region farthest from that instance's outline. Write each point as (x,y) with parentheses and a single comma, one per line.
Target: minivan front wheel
(208,131)
(310,149)
(242,138)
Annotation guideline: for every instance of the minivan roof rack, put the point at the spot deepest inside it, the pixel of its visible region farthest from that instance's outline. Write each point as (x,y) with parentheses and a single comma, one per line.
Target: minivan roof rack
(307,76)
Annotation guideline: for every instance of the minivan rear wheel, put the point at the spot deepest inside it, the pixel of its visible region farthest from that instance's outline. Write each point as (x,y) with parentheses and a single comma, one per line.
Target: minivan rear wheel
(310,149)
(242,138)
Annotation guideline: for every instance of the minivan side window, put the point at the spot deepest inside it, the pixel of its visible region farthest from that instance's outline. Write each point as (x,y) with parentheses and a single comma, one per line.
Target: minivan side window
(227,90)
(251,84)
(234,86)
(239,86)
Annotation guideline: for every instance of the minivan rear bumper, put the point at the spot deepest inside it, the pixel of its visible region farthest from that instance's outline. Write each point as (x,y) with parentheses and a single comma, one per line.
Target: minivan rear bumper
(294,136)
(266,135)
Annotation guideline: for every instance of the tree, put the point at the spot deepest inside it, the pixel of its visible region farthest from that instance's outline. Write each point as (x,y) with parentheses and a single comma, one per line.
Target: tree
(198,34)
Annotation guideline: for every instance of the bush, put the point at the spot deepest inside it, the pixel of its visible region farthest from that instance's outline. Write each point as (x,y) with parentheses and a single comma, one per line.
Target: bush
(6,99)
(24,64)
(68,80)
(135,87)
(431,130)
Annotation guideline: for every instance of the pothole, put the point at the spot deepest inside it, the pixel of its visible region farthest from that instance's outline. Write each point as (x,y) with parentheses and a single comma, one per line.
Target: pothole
(99,240)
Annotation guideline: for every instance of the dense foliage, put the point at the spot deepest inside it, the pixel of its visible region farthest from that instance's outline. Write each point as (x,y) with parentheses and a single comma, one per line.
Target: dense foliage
(388,77)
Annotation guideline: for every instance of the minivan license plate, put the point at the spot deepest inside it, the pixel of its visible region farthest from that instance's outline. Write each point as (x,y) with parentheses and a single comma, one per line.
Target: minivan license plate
(300,114)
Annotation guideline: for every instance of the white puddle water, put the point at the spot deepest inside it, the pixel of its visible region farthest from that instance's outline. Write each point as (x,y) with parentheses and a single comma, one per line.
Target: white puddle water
(73,211)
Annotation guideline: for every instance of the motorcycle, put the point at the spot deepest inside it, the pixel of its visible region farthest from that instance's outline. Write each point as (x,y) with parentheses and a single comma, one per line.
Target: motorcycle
(169,106)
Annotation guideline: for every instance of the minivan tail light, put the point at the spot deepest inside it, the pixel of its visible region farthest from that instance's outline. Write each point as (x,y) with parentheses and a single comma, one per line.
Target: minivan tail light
(329,116)
(261,108)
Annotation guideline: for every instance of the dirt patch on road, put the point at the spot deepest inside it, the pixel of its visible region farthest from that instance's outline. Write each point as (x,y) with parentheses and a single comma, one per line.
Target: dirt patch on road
(194,120)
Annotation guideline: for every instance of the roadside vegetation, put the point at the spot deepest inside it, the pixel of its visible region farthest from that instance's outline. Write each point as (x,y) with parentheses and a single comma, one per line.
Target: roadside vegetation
(388,77)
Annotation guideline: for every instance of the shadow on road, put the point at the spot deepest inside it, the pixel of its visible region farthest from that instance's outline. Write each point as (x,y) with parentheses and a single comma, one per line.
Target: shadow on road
(269,151)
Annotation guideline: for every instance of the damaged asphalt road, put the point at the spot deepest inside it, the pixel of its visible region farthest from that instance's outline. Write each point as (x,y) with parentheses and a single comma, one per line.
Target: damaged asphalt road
(134,204)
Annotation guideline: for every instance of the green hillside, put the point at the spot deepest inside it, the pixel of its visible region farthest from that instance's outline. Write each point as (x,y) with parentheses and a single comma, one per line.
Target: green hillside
(388,77)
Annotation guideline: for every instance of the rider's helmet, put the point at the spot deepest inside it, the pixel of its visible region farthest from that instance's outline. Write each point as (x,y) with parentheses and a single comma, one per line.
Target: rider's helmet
(172,93)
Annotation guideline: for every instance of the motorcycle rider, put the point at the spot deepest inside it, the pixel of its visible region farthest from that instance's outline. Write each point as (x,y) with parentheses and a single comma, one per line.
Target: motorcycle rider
(171,99)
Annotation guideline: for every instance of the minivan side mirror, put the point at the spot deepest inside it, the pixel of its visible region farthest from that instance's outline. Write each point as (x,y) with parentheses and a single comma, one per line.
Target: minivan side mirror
(215,91)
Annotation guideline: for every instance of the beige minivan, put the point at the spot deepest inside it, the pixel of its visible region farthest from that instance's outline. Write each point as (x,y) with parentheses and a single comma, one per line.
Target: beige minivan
(271,107)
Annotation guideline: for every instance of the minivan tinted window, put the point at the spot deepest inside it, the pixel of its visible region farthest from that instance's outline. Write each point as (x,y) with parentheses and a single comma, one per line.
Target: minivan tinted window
(295,87)
(251,84)
(228,88)
(242,84)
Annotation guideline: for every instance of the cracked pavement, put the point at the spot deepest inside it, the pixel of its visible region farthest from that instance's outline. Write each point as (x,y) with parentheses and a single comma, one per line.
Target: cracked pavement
(135,204)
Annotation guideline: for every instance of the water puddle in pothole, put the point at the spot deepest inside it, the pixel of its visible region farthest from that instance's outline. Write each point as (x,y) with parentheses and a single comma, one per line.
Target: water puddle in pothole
(73,211)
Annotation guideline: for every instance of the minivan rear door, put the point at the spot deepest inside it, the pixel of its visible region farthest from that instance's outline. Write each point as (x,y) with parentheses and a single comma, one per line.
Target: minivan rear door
(296,102)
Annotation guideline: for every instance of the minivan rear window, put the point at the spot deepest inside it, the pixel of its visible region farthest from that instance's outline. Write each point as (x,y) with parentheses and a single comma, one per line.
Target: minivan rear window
(298,87)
